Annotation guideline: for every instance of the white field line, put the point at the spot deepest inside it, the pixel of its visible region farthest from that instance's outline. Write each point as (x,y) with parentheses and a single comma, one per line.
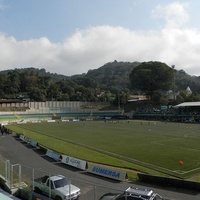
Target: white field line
(188,134)
(185,148)
(135,161)
(178,171)
(127,158)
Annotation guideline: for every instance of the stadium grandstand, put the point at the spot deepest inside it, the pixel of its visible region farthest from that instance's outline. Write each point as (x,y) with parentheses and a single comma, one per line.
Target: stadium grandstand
(11,110)
(19,110)
(184,112)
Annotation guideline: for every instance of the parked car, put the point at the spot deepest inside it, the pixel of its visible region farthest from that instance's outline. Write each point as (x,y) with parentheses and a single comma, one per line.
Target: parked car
(56,187)
(133,194)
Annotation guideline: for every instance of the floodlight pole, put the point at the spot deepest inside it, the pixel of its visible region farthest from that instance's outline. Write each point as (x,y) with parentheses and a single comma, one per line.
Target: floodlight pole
(173,67)
(118,101)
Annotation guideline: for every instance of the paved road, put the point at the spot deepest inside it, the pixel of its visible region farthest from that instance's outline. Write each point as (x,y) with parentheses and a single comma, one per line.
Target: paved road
(92,186)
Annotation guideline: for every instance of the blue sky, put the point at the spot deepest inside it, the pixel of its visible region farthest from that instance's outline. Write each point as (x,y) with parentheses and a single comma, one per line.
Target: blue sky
(73,36)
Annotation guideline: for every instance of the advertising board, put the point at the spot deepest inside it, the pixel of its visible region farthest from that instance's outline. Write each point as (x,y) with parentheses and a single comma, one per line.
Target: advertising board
(107,171)
(75,162)
(52,154)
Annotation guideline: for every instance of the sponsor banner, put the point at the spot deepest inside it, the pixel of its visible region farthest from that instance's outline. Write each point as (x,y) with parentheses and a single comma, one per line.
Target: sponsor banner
(33,143)
(28,141)
(22,122)
(36,121)
(53,154)
(65,120)
(81,164)
(25,139)
(107,172)
(51,120)
(76,120)
(21,137)
(4,123)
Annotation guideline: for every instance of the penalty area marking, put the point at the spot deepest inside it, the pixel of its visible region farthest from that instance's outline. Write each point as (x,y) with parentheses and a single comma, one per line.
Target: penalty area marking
(185,172)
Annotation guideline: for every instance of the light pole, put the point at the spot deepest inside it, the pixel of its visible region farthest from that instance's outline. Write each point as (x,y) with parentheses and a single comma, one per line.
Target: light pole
(173,67)
(118,100)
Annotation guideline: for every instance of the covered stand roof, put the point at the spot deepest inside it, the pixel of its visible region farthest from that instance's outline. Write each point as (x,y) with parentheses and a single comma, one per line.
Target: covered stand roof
(188,104)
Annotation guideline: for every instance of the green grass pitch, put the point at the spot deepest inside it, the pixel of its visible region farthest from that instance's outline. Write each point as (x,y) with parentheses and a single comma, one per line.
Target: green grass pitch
(139,145)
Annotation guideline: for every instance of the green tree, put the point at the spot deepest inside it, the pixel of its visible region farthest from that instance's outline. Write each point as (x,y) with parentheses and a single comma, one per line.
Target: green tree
(37,94)
(53,91)
(149,77)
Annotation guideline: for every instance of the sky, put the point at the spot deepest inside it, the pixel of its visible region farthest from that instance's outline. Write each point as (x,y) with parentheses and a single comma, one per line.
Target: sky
(73,36)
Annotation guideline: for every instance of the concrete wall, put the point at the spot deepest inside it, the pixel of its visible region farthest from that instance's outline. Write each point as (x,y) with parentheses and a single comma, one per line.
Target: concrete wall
(52,106)
(169,181)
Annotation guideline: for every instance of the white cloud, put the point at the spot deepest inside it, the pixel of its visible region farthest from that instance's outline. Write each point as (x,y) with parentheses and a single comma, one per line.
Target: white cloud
(93,47)
(175,14)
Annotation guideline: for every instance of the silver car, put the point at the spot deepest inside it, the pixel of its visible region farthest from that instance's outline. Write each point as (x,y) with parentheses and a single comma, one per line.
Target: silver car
(133,194)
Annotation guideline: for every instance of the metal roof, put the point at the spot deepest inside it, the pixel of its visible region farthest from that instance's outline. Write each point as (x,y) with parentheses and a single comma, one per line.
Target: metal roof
(197,103)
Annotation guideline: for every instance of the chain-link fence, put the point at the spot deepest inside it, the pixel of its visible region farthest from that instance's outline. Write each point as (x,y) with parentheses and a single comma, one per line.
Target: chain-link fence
(10,174)
(89,191)
(20,176)
(7,171)
(3,168)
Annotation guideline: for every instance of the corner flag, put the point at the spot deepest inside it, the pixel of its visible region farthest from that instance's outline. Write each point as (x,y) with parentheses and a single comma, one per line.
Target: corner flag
(180,162)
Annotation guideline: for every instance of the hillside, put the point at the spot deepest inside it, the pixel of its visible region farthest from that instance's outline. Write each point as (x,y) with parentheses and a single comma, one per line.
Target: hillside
(116,75)
(102,84)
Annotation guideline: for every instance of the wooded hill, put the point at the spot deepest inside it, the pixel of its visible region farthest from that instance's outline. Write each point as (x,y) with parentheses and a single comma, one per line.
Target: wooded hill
(116,75)
(102,84)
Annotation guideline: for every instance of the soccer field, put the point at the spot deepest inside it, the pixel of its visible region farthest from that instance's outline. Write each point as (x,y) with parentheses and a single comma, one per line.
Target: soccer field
(171,148)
